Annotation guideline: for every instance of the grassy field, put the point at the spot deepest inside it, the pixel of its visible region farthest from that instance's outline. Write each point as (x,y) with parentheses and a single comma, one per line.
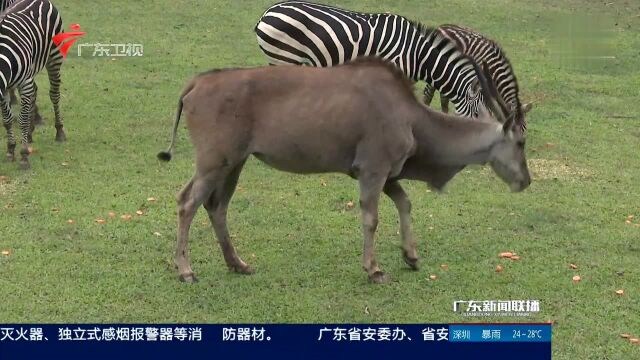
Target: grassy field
(296,231)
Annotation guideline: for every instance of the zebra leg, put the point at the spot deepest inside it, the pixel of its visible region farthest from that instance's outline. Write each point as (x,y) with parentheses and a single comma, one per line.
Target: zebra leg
(37,119)
(444,103)
(26,111)
(32,126)
(53,69)
(7,117)
(14,98)
(429,91)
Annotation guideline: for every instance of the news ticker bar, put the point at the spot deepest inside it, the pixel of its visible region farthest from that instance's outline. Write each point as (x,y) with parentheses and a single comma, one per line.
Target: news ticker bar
(272,332)
(286,341)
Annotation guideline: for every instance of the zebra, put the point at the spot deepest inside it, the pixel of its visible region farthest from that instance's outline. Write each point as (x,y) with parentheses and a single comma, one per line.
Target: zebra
(37,119)
(299,32)
(484,50)
(27,28)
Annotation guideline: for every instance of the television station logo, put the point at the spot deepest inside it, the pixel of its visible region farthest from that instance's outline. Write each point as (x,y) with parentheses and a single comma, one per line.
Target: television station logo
(496,307)
(65,40)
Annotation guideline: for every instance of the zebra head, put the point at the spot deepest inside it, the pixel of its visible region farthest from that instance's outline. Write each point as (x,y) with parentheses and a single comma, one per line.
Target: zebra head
(472,103)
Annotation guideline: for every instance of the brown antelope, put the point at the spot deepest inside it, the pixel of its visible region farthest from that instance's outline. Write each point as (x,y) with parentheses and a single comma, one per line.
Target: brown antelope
(361,119)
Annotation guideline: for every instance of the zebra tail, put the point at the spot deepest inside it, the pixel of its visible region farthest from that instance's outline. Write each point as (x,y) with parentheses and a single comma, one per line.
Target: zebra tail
(167,154)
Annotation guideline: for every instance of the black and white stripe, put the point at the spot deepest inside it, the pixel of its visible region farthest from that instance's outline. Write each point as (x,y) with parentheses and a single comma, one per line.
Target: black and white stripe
(4,4)
(298,32)
(27,28)
(484,50)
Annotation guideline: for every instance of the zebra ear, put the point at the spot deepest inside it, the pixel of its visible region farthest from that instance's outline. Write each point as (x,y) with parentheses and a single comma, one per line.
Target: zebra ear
(526,107)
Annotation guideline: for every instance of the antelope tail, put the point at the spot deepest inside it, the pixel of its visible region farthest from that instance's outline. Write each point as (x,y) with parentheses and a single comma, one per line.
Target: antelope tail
(167,154)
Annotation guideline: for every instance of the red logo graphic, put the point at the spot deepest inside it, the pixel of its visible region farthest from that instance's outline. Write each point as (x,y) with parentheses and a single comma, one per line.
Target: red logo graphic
(68,38)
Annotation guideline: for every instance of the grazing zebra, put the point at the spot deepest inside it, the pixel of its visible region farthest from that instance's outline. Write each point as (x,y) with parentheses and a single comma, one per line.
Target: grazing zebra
(482,49)
(26,47)
(37,120)
(298,32)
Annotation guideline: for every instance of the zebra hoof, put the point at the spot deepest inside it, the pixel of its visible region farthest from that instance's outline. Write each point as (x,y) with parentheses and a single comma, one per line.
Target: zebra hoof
(38,120)
(24,165)
(11,157)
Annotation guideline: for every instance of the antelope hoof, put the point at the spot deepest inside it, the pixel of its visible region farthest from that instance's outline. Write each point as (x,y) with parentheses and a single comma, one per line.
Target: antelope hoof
(243,269)
(411,261)
(60,136)
(379,277)
(189,278)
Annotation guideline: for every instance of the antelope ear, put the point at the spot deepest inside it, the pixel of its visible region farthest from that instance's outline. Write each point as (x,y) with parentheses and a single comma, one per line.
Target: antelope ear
(483,112)
(526,107)
(475,86)
(491,97)
(508,125)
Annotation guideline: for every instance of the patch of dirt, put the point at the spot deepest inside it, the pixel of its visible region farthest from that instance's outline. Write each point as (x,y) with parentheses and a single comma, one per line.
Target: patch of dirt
(7,188)
(544,169)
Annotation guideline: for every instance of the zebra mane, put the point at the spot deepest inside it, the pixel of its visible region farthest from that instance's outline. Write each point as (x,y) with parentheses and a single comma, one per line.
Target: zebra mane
(422,28)
(443,42)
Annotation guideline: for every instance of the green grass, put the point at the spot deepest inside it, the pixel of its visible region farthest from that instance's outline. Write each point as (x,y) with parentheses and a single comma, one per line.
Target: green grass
(305,246)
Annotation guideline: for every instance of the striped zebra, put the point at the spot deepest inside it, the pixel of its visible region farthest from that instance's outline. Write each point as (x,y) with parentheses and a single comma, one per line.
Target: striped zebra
(298,32)
(484,50)
(26,47)
(37,120)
